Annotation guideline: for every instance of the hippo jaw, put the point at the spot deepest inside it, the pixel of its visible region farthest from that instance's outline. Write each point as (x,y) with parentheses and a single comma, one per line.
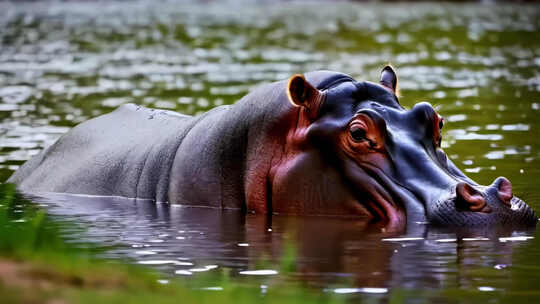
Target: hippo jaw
(388,161)
(380,195)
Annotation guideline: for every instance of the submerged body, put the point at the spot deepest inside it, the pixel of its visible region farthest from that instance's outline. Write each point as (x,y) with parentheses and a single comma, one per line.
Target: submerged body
(323,144)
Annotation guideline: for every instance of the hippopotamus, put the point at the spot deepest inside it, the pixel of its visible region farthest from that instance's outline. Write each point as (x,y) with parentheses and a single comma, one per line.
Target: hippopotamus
(321,143)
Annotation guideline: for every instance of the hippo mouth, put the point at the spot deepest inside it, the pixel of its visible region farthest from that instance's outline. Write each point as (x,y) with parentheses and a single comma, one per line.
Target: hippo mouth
(385,199)
(386,212)
(393,204)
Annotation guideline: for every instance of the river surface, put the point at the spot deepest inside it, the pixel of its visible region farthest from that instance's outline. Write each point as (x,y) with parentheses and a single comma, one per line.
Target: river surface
(62,63)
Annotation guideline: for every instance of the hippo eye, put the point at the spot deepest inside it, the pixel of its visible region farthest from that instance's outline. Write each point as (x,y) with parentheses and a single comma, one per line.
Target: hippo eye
(358,134)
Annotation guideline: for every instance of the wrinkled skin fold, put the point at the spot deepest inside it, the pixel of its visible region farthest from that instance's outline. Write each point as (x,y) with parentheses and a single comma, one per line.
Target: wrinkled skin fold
(318,144)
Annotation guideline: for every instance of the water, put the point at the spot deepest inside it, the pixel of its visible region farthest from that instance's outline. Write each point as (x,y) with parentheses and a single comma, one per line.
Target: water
(63,63)
(327,254)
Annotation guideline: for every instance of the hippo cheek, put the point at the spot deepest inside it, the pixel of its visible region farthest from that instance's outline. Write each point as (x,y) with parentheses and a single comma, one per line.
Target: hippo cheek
(306,184)
(313,183)
(379,194)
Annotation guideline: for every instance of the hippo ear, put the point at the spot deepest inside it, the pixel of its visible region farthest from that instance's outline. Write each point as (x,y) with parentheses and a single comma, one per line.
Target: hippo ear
(302,94)
(389,79)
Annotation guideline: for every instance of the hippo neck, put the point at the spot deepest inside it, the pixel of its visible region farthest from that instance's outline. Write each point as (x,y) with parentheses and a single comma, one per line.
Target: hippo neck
(272,123)
(224,159)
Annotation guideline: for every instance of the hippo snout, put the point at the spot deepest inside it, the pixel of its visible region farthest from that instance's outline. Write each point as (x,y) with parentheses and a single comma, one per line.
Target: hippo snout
(470,198)
(503,188)
(473,205)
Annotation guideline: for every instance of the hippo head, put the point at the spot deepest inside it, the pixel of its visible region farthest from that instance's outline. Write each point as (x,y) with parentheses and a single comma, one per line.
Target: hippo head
(354,150)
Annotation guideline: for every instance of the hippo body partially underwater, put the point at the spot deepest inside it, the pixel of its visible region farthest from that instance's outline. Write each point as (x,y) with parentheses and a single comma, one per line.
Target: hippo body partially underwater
(317,144)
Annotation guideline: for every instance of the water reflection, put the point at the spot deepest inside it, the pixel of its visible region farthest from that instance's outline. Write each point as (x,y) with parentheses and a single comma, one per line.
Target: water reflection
(185,241)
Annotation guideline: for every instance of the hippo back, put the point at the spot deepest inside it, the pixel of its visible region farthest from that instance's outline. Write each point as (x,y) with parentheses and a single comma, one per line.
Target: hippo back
(122,153)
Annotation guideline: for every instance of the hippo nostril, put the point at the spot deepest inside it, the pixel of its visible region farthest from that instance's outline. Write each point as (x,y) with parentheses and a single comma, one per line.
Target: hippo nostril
(504,189)
(470,198)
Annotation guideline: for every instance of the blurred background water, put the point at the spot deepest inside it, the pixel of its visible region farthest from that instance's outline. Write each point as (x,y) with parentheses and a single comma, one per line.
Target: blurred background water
(62,63)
